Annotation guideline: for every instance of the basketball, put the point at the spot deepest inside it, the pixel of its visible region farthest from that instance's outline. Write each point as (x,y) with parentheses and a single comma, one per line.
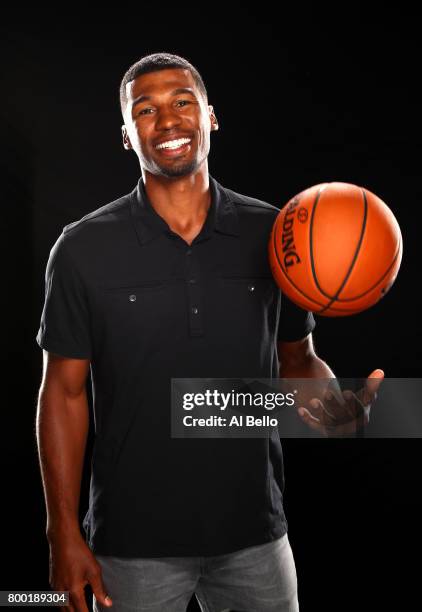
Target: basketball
(335,249)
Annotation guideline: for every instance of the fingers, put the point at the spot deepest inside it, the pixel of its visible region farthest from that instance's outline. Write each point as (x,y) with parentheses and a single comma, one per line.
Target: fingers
(336,407)
(374,381)
(353,405)
(378,373)
(314,419)
(97,585)
(77,600)
(317,408)
(368,394)
(348,406)
(357,415)
(309,419)
(332,418)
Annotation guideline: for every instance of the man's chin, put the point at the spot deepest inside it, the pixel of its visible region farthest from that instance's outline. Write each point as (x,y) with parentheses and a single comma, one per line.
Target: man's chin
(178,170)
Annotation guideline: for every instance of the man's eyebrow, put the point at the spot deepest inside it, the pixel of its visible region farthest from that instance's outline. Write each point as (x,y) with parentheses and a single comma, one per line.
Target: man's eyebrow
(173,93)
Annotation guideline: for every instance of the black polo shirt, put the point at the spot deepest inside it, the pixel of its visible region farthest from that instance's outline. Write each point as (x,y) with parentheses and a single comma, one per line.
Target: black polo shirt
(126,292)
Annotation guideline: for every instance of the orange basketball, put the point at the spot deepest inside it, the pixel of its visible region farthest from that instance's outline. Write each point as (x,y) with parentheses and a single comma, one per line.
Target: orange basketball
(335,249)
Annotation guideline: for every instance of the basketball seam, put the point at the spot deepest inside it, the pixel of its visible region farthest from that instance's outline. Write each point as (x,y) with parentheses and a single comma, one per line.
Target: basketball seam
(290,280)
(311,250)
(348,273)
(378,281)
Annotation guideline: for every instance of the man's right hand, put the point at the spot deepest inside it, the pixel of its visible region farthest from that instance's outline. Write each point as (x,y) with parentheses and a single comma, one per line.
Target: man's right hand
(72,567)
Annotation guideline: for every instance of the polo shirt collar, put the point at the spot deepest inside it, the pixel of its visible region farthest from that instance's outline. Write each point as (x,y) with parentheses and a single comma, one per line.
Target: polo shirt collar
(222,215)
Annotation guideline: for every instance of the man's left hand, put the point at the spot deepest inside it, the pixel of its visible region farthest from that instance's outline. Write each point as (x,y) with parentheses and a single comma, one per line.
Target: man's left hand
(336,415)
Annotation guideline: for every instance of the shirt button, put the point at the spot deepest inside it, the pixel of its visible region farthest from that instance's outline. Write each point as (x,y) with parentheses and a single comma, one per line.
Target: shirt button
(132,297)
(251,287)
(195,310)
(192,281)
(189,252)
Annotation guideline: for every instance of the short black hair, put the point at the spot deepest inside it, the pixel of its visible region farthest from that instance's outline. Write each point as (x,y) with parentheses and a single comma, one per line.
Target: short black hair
(154,62)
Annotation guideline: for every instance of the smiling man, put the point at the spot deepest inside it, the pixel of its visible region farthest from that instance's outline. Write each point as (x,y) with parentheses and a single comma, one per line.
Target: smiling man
(171,280)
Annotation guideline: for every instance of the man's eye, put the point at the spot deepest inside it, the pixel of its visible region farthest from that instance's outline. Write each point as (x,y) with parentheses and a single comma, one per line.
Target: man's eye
(143,111)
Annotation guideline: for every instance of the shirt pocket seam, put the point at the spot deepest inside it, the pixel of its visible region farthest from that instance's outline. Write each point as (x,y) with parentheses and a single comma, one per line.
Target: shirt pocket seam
(147,286)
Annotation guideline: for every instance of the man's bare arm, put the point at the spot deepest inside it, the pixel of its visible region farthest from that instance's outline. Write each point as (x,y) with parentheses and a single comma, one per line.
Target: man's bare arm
(299,360)
(61,429)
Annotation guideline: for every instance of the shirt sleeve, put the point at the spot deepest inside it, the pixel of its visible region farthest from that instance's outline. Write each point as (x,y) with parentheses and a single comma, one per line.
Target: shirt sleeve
(295,323)
(65,319)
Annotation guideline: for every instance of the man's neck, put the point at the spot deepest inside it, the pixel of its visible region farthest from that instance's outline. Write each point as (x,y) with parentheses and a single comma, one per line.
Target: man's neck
(182,203)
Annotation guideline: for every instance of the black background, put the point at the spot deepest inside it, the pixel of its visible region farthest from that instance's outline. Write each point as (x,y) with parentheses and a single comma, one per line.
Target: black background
(301,98)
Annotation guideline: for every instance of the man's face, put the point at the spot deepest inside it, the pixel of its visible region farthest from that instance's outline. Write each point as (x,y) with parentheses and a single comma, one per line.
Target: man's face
(156,113)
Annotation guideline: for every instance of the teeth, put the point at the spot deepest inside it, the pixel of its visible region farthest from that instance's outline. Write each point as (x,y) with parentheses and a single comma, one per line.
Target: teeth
(173,144)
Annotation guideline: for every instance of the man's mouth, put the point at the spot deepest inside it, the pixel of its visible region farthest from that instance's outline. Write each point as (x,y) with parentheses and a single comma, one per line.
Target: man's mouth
(174,147)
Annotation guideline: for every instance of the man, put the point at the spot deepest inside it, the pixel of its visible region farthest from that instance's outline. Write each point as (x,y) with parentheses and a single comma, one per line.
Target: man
(171,280)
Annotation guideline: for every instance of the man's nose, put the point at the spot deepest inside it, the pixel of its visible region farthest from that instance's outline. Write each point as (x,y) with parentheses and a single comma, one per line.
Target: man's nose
(166,118)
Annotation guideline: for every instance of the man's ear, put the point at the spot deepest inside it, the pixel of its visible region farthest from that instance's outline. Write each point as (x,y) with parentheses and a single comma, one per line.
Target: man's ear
(213,118)
(126,140)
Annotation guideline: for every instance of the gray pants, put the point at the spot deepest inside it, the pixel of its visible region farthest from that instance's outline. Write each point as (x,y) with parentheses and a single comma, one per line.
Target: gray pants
(255,579)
